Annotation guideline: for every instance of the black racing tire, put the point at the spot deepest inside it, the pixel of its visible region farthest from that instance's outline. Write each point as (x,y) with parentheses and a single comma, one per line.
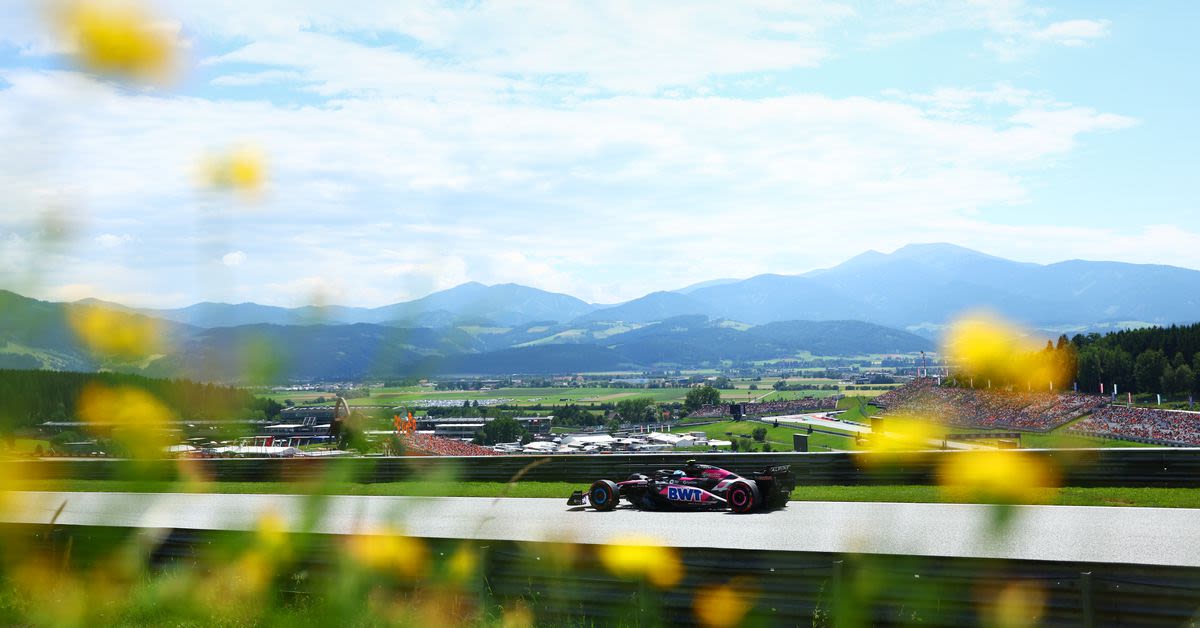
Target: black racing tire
(603,495)
(742,497)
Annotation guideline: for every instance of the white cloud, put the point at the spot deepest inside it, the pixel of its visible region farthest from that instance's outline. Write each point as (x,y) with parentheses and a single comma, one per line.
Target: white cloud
(112,241)
(598,149)
(622,46)
(1074,32)
(1012,29)
(558,197)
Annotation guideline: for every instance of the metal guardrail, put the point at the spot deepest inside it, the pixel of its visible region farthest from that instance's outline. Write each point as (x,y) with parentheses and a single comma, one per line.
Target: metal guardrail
(1167,467)
(788,588)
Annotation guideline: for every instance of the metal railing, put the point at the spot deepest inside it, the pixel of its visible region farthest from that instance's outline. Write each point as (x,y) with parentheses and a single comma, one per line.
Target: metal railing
(1166,467)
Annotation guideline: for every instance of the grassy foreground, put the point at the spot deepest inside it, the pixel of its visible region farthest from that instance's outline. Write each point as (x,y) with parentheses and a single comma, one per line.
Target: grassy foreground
(1069,496)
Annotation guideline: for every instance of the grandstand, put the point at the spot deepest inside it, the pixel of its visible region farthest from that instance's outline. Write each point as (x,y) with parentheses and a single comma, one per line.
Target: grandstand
(430,445)
(1034,411)
(1150,425)
(1042,412)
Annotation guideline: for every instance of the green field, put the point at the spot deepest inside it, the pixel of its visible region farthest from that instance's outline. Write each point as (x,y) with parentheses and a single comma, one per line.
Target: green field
(556,396)
(23,445)
(1068,496)
(780,437)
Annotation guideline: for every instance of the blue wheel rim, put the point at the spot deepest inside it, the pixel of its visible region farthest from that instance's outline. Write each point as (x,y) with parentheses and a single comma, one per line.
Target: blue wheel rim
(599,496)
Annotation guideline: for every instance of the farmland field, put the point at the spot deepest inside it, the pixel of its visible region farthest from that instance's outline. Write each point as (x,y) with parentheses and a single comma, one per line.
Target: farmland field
(555,396)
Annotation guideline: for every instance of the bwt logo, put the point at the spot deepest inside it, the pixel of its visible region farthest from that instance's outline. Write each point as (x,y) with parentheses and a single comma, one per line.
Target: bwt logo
(684,494)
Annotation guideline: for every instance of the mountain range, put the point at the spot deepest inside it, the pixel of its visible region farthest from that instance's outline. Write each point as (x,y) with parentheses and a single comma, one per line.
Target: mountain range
(872,303)
(919,288)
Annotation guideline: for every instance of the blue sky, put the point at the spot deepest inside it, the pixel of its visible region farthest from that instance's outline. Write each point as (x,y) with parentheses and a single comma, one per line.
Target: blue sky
(604,150)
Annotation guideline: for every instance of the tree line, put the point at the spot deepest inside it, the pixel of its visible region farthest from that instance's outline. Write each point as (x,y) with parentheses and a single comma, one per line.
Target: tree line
(1151,360)
(30,397)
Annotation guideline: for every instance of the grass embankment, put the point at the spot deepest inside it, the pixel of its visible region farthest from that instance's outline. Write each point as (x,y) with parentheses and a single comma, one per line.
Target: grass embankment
(414,488)
(780,437)
(1069,496)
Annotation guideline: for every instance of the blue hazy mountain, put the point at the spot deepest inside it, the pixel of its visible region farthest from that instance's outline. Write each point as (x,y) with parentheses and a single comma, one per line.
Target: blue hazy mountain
(925,286)
(918,287)
(504,304)
(868,304)
(655,306)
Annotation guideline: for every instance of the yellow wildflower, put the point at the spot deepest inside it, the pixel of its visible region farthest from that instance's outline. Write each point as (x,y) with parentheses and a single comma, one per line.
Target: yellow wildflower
(114,334)
(1002,477)
(389,551)
(137,418)
(724,605)
(118,38)
(639,557)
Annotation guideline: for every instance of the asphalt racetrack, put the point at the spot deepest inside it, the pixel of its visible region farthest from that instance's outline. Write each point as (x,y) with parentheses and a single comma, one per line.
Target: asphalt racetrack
(1153,536)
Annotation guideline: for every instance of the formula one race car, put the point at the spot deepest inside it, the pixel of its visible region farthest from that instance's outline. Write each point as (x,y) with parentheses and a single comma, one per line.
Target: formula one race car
(696,486)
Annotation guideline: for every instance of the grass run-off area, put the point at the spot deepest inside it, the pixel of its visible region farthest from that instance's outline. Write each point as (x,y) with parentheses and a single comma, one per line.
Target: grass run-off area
(780,437)
(1068,496)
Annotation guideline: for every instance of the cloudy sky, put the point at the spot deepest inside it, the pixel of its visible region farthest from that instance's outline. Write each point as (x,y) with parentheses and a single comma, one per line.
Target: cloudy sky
(602,149)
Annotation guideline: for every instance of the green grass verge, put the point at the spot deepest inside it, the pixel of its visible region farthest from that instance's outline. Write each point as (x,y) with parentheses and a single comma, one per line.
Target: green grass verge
(779,437)
(407,488)
(1069,496)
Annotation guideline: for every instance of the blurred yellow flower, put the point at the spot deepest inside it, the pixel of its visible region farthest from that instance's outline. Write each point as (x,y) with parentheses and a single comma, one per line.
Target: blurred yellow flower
(55,597)
(137,418)
(1000,477)
(271,533)
(641,557)
(902,434)
(985,347)
(253,573)
(389,551)
(724,605)
(241,169)
(118,38)
(1017,605)
(518,616)
(115,334)
(463,564)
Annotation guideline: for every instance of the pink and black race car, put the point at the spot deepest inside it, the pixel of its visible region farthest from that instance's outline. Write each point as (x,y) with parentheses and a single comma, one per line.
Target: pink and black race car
(696,486)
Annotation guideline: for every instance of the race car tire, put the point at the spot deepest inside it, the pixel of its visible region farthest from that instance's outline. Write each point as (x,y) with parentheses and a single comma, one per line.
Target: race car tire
(742,497)
(603,495)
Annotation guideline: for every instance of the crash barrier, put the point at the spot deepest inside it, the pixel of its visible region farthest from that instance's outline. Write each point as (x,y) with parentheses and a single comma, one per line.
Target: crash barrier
(782,588)
(1165,467)
(1144,441)
(983,435)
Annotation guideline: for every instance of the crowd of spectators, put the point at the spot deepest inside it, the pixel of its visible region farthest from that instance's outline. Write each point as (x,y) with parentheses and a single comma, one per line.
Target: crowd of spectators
(438,446)
(1150,424)
(1039,411)
(768,408)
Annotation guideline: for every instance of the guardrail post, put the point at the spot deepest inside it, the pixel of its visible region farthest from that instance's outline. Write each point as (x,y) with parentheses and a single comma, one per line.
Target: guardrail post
(836,589)
(1087,611)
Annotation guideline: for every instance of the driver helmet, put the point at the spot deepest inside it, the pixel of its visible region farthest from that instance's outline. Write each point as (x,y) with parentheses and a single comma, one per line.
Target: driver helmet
(678,474)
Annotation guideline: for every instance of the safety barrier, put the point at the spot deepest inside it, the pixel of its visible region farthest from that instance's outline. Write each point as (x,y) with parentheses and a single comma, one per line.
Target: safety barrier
(783,588)
(1165,467)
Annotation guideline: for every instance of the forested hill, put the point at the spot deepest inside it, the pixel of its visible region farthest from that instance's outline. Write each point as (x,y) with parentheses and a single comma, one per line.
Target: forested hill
(30,397)
(1151,360)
